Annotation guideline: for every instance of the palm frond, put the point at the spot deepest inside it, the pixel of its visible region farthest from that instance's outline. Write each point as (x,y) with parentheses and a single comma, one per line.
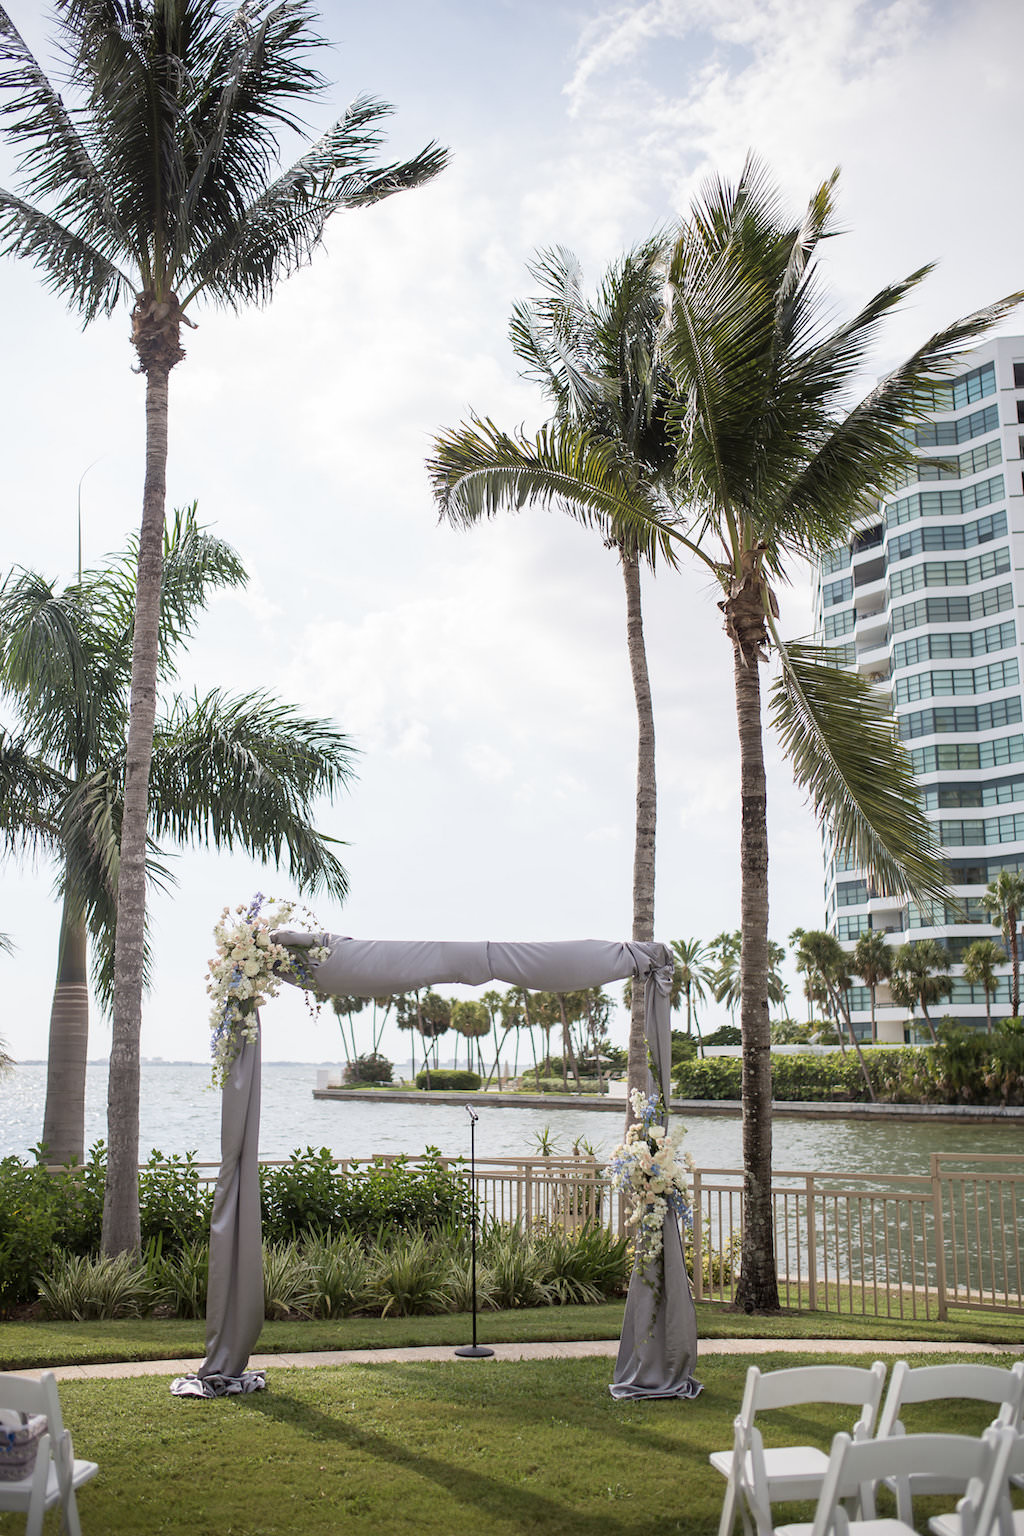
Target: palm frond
(842,743)
(54,161)
(31,795)
(477,471)
(91,846)
(278,232)
(70,266)
(248,771)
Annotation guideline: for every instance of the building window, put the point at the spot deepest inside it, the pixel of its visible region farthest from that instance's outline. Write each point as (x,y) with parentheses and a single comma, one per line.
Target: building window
(1018,375)
(949,434)
(960,719)
(957,796)
(978,832)
(839,624)
(953,757)
(927,685)
(838,592)
(979,642)
(851,893)
(944,503)
(952,610)
(953,536)
(950,573)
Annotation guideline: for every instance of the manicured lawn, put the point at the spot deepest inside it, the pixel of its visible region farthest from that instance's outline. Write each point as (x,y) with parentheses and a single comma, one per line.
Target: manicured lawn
(24,1346)
(497,1448)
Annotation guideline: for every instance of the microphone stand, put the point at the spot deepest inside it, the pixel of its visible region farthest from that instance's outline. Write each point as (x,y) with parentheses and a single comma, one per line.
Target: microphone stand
(473,1351)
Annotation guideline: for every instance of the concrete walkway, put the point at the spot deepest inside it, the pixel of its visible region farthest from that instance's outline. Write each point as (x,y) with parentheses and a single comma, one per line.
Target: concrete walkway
(573,1350)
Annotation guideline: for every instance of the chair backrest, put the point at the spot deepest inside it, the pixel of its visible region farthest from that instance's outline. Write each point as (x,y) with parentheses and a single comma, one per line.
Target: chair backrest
(33,1394)
(929,1383)
(856,1466)
(855,1385)
(996,1514)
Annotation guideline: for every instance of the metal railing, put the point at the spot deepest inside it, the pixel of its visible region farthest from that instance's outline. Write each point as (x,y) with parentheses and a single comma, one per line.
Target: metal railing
(903,1246)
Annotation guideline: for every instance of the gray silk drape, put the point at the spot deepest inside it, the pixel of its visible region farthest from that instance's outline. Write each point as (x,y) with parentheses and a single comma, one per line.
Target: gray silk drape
(659,1336)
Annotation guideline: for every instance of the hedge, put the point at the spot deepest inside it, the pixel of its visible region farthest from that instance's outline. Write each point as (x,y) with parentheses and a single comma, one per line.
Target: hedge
(449,1077)
(967,1067)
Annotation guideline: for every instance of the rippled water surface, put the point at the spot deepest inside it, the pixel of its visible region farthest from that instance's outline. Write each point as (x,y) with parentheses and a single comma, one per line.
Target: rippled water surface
(180,1112)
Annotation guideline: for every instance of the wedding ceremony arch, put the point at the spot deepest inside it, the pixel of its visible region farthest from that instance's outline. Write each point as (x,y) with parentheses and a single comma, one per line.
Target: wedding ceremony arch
(658,1345)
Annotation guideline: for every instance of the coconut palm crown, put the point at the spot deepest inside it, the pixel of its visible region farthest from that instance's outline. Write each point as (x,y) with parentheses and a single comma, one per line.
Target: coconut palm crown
(151,177)
(770,467)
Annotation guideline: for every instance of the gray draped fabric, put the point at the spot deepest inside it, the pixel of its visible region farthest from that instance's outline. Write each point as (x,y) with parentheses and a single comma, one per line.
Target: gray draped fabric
(661,1355)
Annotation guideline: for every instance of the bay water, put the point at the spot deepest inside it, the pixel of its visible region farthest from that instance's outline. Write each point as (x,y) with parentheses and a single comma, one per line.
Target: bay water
(180,1112)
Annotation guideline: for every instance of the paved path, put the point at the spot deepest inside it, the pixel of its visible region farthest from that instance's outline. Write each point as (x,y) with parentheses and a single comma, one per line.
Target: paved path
(573,1350)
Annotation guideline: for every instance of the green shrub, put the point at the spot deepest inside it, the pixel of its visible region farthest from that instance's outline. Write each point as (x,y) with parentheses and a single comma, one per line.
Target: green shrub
(174,1207)
(409,1277)
(183,1277)
(309,1193)
(290,1286)
(457,1078)
(371,1068)
(581,1266)
(342,1269)
(529,1084)
(726,1034)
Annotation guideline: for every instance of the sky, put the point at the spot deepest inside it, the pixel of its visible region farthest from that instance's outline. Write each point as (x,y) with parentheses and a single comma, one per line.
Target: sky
(483,675)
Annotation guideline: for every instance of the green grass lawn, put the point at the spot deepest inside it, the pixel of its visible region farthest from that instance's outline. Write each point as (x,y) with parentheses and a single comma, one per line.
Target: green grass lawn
(26,1346)
(532,1448)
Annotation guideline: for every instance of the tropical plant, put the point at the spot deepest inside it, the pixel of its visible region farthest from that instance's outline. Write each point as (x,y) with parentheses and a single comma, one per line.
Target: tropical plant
(369,1068)
(770,465)
(820,954)
(727,976)
(872,962)
(1004,898)
(692,977)
(980,962)
(76,1288)
(228,771)
(471,1019)
(150,177)
(920,976)
(345,1008)
(597,362)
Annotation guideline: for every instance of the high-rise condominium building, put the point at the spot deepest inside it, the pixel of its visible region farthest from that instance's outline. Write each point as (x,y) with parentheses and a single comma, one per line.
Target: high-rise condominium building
(926,601)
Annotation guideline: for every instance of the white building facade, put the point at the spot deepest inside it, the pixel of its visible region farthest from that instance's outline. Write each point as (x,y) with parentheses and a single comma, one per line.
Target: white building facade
(927,602)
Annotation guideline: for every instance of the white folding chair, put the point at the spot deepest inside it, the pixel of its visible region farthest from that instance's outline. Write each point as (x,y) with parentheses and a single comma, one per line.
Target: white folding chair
(856,1467)
(993,1384)
(56,1474)
(755,1477)
(997,1516)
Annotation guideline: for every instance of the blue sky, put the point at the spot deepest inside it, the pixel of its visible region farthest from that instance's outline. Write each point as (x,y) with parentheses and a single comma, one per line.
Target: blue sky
(484,675)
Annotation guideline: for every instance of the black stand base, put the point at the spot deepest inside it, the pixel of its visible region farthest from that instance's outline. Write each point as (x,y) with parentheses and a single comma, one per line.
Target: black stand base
(474,1351)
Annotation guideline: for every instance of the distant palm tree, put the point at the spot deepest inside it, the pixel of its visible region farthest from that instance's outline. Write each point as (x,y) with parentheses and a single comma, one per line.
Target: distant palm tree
(980,962)
(149,177)
(872,962)
(821,956)
(6,1060)
(921,975)
(226,771)
(471,1019)
(727,977)
(693,973)
(1004,898)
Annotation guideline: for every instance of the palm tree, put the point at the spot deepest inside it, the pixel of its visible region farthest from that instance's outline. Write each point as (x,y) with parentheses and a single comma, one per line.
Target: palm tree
(596,361)
(6,1059)
(693,977)
(821,956)
(980,962)
(346,1007)
(727,977)
(1004,898)
(226,771)
(920,974)
(472,1021)
(872,962)
(771,466)
(149,178)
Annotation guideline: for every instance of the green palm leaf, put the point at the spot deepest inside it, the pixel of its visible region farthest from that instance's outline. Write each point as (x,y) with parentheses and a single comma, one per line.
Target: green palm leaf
(478,471)
(841,740)
(247,771)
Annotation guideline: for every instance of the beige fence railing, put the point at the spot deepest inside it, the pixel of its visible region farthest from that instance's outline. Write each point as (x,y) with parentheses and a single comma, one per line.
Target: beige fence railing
(903,1246)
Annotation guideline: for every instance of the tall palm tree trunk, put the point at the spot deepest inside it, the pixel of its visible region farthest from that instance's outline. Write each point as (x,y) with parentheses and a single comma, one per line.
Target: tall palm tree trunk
(64,1112)
(757,1289)
(121,1196)
(1014,961)
(646,821)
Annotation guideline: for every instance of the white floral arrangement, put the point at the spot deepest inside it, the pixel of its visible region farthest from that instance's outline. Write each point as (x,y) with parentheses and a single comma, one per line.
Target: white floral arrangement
(247,969)
(648,1169)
